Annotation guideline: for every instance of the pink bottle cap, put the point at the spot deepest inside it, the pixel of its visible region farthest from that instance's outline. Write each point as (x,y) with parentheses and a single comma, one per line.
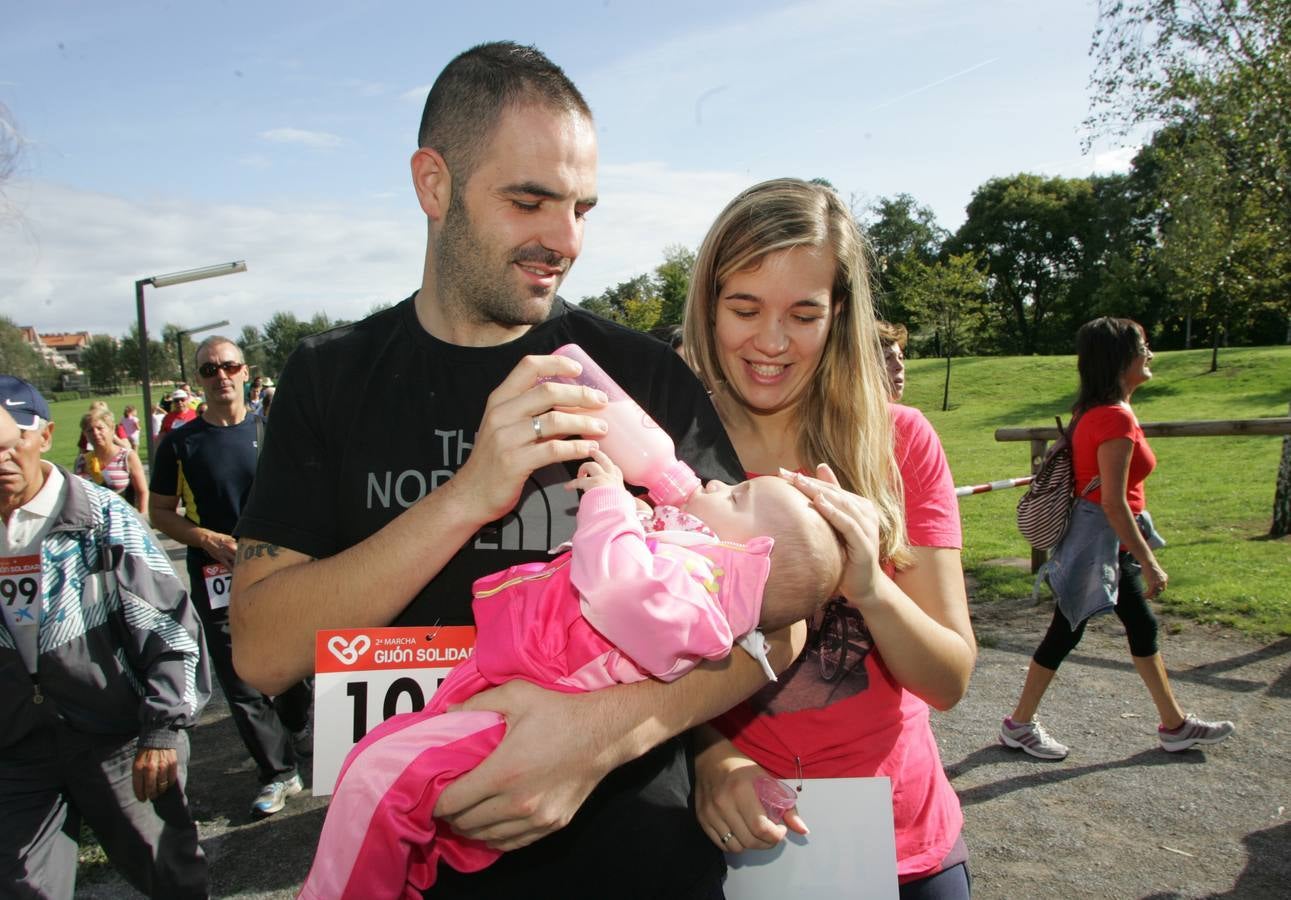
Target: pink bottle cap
(674,485)
(776,796)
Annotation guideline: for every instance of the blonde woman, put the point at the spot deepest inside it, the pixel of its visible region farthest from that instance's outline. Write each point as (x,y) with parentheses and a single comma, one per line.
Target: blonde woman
(108,463)
(781,327)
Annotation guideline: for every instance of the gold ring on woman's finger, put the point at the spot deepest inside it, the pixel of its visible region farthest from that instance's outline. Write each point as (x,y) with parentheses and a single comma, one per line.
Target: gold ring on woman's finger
(537,428)
(726,837)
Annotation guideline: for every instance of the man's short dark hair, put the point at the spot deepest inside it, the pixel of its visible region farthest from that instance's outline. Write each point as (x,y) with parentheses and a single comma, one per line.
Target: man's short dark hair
(470,95)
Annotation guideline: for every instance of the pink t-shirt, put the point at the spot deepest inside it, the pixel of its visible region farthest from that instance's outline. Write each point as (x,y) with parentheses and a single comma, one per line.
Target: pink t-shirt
(865,724)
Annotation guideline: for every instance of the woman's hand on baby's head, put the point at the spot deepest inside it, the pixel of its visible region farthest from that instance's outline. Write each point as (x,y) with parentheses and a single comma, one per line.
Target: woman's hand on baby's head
(599,471)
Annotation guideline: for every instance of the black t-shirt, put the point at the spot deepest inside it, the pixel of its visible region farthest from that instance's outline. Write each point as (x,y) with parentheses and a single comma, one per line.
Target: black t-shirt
(370,417)
(210,469)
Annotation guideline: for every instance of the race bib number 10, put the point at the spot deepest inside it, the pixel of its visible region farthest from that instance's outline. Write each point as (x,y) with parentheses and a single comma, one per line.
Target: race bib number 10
(363,676)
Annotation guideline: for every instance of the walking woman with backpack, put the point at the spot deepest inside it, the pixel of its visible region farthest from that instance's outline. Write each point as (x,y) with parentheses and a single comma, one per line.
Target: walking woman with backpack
(1105,560)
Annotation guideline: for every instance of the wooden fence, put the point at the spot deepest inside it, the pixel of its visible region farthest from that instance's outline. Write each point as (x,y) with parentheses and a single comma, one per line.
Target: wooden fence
(1040,438)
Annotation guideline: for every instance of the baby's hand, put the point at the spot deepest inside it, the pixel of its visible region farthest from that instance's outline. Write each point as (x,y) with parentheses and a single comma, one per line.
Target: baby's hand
(598,471)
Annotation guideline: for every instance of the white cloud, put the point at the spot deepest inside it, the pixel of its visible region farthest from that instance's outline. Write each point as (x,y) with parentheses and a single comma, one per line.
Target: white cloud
(417,94)
(1115,160)
(644,207)
(319,140)
(69,259)
(1098,162)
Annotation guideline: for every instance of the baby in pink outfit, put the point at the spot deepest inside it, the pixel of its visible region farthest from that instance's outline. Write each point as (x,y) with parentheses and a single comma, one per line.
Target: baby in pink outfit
(637,595)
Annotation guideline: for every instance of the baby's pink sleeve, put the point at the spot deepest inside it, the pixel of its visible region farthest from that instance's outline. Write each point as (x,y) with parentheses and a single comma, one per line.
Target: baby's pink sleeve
(657,604)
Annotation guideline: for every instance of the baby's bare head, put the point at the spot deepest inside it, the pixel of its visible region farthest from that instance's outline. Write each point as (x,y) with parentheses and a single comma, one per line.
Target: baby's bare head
(807,560)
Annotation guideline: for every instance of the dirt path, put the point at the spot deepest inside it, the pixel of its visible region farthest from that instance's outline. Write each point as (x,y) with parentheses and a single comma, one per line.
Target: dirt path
(1119,818)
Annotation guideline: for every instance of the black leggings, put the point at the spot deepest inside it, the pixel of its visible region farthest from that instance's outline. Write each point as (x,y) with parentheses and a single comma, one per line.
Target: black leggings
(1131,608)
(948,884)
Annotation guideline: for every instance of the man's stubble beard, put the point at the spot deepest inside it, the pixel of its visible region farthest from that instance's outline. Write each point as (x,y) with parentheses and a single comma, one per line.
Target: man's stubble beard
(471,277)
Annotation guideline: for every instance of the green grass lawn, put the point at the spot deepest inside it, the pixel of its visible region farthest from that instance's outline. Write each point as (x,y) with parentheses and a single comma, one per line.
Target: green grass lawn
(67,423)
(1211,498)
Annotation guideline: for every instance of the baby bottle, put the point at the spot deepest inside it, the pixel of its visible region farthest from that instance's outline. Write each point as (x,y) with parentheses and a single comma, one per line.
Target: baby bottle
(634,441)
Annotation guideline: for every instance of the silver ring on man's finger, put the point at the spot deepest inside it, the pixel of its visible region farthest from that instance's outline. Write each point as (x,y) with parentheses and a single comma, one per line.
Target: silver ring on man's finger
(537,428)
(726,837)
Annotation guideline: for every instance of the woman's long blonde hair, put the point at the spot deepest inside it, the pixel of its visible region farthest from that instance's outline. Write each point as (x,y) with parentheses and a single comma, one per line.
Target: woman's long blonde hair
(843,415)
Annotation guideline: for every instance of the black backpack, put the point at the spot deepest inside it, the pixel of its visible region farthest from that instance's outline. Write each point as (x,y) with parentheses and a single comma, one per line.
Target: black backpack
(1045,509)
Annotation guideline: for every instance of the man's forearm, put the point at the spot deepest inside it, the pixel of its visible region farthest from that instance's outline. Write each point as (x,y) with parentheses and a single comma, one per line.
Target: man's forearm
(176,527)
(281,598)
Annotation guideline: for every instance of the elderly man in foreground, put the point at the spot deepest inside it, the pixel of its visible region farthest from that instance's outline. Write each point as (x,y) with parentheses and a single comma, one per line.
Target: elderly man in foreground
(102,669)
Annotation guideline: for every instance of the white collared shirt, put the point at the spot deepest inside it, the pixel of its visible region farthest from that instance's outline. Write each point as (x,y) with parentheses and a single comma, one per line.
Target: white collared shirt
(20,540)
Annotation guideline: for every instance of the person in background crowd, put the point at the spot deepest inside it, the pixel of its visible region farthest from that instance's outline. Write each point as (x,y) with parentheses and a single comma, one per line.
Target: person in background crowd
(102,672)
(670,335)
(893,338)
(211,463)
(180,412)
(130,426)
(118,435)
(109,464)
(155,418)
(253,394)
(266,401)
(780,324)
(193,397)
(1102,561)
(505,173)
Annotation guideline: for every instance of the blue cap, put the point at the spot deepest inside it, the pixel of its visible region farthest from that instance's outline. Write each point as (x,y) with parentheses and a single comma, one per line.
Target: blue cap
(23,402)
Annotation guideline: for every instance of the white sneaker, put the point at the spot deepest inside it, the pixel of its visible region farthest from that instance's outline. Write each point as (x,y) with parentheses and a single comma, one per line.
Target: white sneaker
(273,796)
(1031,738)
(1192,732)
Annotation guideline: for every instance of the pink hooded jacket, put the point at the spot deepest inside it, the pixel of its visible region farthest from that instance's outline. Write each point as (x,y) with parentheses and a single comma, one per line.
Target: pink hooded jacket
(617,608)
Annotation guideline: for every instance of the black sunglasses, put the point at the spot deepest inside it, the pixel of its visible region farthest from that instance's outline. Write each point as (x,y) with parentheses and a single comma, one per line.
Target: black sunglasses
(208,369)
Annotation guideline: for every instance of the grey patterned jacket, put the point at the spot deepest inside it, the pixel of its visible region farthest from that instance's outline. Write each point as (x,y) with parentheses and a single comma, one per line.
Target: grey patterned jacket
(119,648)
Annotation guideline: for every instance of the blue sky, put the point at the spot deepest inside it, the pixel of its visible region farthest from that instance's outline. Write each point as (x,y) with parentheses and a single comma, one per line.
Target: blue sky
(164,136)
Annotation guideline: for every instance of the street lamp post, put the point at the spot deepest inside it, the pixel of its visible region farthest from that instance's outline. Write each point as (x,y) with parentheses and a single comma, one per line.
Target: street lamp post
(159,281)
(179,342)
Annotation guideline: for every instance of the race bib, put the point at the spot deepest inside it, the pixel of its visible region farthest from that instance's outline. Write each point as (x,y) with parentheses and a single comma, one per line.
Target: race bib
(219,582)
(20,598)
(363,676)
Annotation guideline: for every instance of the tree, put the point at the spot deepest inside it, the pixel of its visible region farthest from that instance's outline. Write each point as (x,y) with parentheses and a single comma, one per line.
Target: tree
(1121,272)
(947,297)
(283,332)
(161,358)
(635,303)
(673,282)
(253,347)
(1215,75)
(100,361)
(17,357)
(1032,233)
(1222,264)
(898,229)
(183,352)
